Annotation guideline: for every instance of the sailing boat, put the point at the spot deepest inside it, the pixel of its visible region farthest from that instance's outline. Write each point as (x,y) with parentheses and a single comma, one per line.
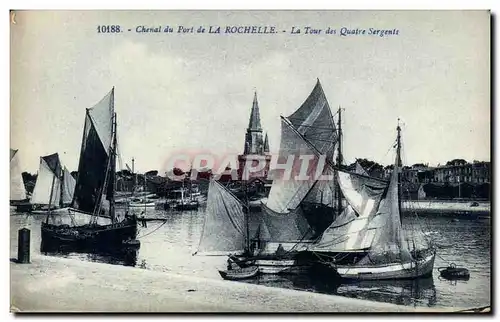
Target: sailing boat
(18,198)
(297,211)
(367,242)
(189,203)
(95,188)
(54,186)
(226,230)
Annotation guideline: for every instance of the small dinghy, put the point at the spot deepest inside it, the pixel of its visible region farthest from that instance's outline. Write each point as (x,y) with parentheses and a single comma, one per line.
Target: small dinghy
(453,272)
(240,273)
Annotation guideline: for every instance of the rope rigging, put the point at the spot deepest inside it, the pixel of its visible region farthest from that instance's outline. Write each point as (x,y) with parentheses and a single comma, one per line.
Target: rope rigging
(159,226)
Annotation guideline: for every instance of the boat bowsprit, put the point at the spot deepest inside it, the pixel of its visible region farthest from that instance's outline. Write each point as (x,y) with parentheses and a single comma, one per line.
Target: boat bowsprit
(240,273)
(452,272)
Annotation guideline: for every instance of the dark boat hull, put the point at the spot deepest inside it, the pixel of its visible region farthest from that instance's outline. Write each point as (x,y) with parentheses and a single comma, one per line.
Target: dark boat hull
(240,273)
(192,206)
(91,236)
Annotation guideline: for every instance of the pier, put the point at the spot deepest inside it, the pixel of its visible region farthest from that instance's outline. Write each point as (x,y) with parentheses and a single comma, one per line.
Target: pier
(51,284)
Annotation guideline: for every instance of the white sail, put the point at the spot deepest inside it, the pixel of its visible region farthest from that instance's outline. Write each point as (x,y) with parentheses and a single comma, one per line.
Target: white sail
(390,243)
(68,187)
(17,189)
(314,121)
(47,184)
(224,231)
(101,115)
(309,131)
(323,192)
(287,191)
(280,227)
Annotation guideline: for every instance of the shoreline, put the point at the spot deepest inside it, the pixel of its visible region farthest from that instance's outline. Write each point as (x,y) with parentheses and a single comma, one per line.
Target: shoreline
(52,284)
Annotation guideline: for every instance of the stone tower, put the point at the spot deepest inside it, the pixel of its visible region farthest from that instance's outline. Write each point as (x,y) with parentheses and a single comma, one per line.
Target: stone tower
(254,144)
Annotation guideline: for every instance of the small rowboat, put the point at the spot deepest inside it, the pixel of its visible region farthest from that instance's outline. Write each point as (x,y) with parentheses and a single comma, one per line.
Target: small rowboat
(240,273)
(453,272)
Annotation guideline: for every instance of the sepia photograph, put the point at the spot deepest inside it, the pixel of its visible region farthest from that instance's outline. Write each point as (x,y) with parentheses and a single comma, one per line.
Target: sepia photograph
(250,161)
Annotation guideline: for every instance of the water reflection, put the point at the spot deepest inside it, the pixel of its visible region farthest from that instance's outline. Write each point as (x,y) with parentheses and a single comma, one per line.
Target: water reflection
(168,246)
(126,256)
(417,292)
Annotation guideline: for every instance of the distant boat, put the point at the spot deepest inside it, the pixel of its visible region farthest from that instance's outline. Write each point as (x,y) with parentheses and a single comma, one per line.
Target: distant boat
(18,196)
(54,186)
(148,201)
(93,220)
(189,203)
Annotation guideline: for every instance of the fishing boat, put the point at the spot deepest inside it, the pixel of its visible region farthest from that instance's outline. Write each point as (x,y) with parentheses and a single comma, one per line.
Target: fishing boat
(18,196)
(93,221)
(54,187)
(226,231)
(296,211)
(189,203)
(148,201)
(367,241)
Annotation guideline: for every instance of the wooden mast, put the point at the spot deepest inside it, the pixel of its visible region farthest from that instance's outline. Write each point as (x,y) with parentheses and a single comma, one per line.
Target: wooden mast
(61,187)
(398,165)
(247,214)
(113,171)
(339,161)
(51,195)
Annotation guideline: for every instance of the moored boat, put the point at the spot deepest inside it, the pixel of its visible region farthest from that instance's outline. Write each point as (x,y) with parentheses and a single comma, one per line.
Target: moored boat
(18,196)
(54,187)
(367,241)
(239,273)
(93,199)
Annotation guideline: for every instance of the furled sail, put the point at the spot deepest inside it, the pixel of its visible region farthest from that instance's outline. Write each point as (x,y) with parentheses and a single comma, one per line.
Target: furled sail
(224,231)
(48,182)
(17,188)
(355,228)
(94,155)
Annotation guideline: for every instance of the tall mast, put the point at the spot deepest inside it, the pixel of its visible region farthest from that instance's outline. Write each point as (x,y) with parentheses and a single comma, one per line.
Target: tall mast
(61,187)
(113,171)
(339,161)
(247,214)
(51,195)
(135,176)
(398,165)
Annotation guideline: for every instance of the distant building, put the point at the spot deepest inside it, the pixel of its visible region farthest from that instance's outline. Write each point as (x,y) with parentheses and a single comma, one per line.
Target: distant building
(453,172)
(476,172)
(256,148)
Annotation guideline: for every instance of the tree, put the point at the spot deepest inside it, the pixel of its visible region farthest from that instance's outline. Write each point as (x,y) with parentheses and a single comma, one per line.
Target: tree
(456,162)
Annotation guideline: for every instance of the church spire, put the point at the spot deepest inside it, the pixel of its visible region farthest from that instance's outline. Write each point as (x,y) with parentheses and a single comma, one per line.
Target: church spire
(254,123)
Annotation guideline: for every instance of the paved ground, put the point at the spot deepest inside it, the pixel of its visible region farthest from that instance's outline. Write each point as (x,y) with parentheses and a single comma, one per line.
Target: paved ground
(51,284)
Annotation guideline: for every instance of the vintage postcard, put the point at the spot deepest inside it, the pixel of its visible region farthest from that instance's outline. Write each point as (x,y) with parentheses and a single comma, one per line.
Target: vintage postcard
(250,161)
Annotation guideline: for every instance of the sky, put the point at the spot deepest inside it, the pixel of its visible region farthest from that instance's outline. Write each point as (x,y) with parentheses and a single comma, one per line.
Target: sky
(177,92)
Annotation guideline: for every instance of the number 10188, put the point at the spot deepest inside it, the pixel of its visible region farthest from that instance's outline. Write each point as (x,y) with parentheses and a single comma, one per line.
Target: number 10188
(108,29)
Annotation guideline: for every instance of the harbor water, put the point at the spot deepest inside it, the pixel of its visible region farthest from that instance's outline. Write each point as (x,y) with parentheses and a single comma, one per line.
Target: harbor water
(170,245)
